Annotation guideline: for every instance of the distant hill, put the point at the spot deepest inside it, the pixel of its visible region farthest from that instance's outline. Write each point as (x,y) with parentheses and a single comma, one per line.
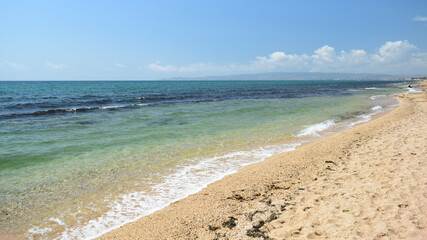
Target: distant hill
(296,76)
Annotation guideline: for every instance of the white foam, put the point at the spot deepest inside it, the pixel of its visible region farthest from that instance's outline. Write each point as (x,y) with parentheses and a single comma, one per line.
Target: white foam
(368,116)
(77,109)
(376,108)
(316,128)
(188,179)
(123,106)
(112,107)
(361,119)
(371,88)
(39,231)
(413,90)
(57,221)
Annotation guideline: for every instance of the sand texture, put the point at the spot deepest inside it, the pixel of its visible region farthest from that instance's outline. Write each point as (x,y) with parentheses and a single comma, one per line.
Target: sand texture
(369,182)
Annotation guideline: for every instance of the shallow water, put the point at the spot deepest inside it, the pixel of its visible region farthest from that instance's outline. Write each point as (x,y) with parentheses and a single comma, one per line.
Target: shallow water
(80,158)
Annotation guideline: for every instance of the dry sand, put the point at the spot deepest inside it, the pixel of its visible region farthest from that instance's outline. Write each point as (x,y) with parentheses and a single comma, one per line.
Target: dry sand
(369,182)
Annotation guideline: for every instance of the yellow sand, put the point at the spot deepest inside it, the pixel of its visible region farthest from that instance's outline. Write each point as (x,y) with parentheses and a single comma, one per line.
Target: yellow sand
(369,182)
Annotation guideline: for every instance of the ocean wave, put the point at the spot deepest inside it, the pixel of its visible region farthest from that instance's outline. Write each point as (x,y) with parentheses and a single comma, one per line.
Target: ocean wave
(413,90)
(112,107)
(316,128)
(375,108)
(368,116)
(361,119)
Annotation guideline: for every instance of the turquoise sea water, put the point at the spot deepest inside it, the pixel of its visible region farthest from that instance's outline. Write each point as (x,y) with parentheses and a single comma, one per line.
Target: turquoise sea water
(80,158)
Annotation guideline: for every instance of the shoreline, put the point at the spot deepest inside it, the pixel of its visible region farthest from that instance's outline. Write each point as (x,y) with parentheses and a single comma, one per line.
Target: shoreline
(230,207)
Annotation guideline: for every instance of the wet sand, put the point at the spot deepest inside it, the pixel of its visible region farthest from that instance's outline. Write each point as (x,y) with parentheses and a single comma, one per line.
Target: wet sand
(369,182)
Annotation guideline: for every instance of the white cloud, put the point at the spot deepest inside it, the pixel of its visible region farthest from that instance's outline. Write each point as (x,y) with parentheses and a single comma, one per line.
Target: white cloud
(12,64)
(354,57)
(119,65)
(279,60)
(394,51)
(280,57)
(391,57)
(55,66)
(159,68)
(420,18)
(324,54)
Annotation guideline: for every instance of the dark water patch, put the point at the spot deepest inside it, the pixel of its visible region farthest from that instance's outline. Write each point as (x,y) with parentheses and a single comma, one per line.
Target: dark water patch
(96,101)
(46,112)
(66,111)
(350,115)
(86,122)
(167,121)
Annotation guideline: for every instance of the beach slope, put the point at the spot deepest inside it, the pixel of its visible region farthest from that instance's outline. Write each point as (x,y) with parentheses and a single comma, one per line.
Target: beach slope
(369,182)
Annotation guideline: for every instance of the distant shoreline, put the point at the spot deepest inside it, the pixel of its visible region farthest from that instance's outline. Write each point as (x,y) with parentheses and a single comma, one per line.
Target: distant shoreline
(296,76)
(269,76)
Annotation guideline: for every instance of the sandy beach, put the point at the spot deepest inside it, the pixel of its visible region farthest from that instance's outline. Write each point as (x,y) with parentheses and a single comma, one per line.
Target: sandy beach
(369,182)
(217,120)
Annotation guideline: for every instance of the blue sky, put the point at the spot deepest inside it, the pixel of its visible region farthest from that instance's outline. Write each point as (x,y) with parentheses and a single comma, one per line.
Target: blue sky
(106,40)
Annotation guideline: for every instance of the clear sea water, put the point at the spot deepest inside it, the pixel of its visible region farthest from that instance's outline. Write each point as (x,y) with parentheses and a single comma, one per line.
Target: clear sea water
(80,158)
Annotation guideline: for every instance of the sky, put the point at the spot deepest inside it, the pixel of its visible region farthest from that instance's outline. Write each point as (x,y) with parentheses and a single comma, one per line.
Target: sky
(148,40)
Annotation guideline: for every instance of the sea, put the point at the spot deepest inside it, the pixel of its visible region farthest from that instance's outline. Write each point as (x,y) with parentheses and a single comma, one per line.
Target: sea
(80,158)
